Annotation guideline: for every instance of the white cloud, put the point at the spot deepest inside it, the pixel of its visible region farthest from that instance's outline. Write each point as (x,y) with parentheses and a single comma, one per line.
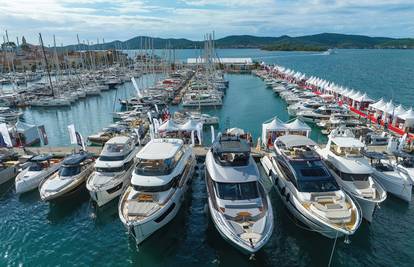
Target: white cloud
(123,19)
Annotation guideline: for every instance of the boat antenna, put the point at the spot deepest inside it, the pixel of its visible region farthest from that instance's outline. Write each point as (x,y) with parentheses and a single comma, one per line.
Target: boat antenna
(47,65)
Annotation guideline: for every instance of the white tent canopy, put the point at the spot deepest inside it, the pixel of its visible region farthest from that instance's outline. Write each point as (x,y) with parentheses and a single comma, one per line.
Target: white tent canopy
(388,108)
(298,126)
(399,110)
(171,126)
(275,125)
(378,105)
(408,115)
(363,98)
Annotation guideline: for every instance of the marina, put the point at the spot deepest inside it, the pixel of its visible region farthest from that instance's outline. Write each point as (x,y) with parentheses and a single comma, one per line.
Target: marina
(236,110)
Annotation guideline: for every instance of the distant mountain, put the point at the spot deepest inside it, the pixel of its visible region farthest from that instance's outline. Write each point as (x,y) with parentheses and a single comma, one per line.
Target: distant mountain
(317,42)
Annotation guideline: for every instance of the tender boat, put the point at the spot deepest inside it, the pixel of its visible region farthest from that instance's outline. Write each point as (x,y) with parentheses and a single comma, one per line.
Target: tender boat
(352,172)
(395,179)
(239,206)
(39,167)
(161,177)
(69,179)
(308,189)
(113,170)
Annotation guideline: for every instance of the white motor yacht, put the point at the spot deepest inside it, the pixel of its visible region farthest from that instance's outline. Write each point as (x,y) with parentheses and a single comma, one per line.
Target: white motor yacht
(395,179)
(304,105)
(70,178)
(161,177)
(308,189)
(238,203)
(321,113)
(38,168)
(343,156)
(113,169)
(202,100)
(404,161)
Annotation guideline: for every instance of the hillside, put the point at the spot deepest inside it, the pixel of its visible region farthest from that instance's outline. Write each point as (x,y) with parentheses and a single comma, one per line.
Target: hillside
(317,42)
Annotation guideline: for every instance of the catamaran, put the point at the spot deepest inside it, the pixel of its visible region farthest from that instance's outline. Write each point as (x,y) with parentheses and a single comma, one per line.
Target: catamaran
(238,203)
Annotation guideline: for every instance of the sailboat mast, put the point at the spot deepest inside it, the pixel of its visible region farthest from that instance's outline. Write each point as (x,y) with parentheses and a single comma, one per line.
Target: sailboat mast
(47,64)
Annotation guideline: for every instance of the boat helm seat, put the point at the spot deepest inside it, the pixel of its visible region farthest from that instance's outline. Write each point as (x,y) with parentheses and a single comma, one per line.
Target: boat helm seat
(364,189)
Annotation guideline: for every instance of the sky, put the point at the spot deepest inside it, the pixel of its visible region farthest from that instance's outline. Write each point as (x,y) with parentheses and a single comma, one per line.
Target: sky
(123,19)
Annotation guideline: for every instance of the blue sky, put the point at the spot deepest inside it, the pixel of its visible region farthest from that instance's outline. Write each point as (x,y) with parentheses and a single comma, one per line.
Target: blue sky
(123,19)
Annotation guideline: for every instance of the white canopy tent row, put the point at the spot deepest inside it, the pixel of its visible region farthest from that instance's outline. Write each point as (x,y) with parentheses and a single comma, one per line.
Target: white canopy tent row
(273,128)
(186,130)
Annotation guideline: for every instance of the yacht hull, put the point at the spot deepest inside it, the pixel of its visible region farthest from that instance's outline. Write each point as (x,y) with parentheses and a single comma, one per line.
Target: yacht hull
(107,193)
(399,188)
(8,174)
(26,184)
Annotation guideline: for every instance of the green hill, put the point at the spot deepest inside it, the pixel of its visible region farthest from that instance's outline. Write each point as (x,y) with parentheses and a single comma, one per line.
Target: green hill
(317,42)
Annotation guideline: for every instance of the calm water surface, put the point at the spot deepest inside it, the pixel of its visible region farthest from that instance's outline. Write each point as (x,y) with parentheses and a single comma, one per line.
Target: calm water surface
(34,233)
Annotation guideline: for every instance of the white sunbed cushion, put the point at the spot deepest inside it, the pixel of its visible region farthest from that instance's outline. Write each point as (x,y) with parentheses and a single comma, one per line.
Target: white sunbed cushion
(136,208)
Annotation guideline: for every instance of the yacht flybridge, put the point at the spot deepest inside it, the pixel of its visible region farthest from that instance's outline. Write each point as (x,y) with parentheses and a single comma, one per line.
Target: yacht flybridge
(308,189)
(160,179)
(113,170)
(351,170)
(238,203)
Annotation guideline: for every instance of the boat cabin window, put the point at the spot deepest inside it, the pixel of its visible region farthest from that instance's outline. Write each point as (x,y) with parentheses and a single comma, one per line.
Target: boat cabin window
(237,191)
(70,170)
(155,167)
(354,176)
(160,188)
(232,159)
(110,169)
(114,157)
(345,151)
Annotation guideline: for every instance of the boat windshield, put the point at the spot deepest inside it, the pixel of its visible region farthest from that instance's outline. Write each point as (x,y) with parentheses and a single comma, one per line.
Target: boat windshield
(70,170)
(110,169)
(312,176)
(112,158)
(155,167)
(35,167)
(232,159)
(237,191)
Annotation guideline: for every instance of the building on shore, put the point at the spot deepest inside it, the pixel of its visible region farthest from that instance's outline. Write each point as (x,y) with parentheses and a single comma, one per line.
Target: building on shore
(226,64)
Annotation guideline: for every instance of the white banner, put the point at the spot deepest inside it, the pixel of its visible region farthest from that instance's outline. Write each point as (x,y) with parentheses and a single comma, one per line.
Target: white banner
(212,134)
(72,134)
(136,87)
(192,138)
(151,129)
(6,136)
